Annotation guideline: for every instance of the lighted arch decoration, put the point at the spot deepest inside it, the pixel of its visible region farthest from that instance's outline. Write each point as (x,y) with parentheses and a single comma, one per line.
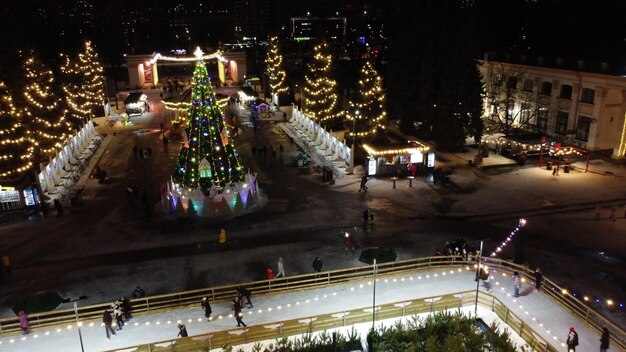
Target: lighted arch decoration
(143,70)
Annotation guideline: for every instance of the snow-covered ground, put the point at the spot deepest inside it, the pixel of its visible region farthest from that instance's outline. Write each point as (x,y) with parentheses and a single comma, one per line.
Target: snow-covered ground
(548,319)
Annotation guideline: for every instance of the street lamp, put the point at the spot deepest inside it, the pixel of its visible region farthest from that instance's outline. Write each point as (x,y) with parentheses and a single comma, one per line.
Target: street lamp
(351,169)
(301,97)
(80,335)
(374,272)
(480,252)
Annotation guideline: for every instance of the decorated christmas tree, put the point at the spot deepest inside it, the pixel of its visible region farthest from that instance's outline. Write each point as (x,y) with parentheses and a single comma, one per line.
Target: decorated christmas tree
(320,89)
(274,67)
(208,157)
(83,83)
(44,112)
(15,147)
(367,111)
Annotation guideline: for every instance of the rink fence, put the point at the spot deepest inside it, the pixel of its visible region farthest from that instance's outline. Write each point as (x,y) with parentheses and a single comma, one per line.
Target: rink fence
(225,293)
(322,322)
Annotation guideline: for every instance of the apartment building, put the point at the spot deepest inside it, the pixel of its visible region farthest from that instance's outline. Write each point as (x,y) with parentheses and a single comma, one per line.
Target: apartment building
(576,104)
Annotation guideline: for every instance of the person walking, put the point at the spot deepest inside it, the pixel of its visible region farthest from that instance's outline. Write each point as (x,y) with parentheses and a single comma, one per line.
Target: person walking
(517,284)
(139,292)
(222,238)
(126,308)
(238,314)
(604,340)
(6,264)
(206,307)
(317,265)
(613,212)
(281,267)
(363,187)
(135,151)
(270,273)
(350,243)
(119,316)
(182,331)
(538,279)
(24,325)
(572,340)
(366,217)
(161,124)
(244,292)
(58,207)
(165,144)
(107,320)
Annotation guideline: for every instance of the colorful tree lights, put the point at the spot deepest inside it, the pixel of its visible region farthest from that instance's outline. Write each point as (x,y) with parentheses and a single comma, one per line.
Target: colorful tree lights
(209,157)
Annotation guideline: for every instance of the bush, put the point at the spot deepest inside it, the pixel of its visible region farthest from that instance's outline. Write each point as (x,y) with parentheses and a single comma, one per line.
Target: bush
(439,332)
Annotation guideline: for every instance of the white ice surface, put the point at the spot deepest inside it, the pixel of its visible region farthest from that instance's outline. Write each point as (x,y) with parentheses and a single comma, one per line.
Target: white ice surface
(550,320)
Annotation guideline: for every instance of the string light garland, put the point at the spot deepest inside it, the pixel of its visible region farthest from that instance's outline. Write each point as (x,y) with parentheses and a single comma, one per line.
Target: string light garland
(16,150)
(274,67)
(321,95)
(209,157)
(367,111)
(520,224)
(45,118)
(84,83)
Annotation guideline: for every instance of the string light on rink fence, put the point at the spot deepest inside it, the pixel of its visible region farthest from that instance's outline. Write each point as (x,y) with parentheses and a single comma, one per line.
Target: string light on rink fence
(442,274)
(526,312)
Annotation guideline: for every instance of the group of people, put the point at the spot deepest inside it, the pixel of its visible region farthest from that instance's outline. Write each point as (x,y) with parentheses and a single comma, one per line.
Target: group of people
(457,248)
(272,152)
(572,340)
(242,292)
(612,214)
(122,311)
(142,153)
(317,267)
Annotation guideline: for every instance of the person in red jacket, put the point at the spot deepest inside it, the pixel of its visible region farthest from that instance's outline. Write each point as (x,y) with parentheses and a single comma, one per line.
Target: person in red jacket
(350,242)
(270,273)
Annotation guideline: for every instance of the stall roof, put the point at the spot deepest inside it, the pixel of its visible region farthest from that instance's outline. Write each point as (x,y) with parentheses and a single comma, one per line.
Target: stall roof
(379,149)
(133,98)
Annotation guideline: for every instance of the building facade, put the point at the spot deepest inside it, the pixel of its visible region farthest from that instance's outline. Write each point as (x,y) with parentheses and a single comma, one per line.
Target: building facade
(580,108)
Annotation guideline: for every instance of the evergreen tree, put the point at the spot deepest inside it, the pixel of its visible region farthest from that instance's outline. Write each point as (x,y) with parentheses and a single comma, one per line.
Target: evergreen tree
(93,77)
(74,97)
(274,67)
(208,157)
(83,83)
(45,115)
(368,109)
(15,147)
(320,88)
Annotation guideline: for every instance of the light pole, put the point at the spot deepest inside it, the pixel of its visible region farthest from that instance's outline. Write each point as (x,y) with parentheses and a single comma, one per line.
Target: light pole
(480,252)
(80,335)
(351,170)
(374,296)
